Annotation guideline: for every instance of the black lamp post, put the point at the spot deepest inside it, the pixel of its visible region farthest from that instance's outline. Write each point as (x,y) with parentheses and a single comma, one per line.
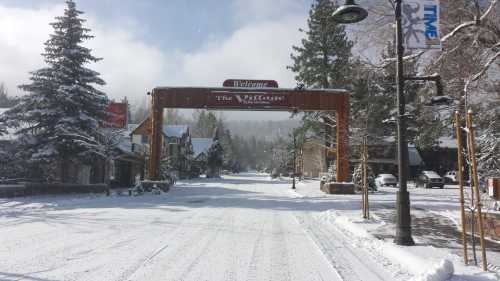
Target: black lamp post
(294,158)
(352,13)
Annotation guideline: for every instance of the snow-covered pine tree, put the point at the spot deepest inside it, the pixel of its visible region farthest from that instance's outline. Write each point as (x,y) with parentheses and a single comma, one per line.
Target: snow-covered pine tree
(6,101)
(206,123)
(62,110)
(215,159)
(322,61)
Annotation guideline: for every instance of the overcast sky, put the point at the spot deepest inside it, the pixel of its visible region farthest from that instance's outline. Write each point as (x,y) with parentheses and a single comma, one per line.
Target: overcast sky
(148,43)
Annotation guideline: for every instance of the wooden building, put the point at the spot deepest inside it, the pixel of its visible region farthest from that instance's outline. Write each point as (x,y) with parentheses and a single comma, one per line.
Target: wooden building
(176,147)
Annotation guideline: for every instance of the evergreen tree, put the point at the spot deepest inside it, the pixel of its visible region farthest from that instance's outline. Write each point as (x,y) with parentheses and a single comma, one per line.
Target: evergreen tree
(172,116)
(205,124)
(5,100)
(230,158)
(374,95)
(322,61)
(215,159)
(62,110)
(140,112)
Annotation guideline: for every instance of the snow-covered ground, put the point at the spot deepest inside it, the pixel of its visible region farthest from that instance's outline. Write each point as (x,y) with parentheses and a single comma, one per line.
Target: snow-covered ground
(435,223)
(244,227)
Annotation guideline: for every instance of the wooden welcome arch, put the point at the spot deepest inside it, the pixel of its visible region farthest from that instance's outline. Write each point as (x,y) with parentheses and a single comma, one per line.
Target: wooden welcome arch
(255,99)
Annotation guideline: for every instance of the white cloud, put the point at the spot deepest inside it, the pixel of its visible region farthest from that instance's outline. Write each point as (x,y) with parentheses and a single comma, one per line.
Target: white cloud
(130,66)
(256,51)
(22,33)
(252,10)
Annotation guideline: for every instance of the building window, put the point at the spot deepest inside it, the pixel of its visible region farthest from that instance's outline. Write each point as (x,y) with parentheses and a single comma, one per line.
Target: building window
(144,139)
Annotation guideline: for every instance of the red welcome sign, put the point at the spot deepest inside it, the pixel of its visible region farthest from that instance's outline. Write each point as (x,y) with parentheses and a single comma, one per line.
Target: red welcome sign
(256,100)
(245,83)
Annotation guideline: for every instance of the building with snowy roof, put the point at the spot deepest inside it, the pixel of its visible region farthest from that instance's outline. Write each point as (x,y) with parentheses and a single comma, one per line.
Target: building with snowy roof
(176,148)
(201,146)
(200,154)
(126,167)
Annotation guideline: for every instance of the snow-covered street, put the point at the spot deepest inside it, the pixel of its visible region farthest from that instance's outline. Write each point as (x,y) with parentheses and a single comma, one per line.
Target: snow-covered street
(245,227)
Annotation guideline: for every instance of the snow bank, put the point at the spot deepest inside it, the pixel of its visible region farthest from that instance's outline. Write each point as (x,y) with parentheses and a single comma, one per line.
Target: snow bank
(346,223)
(425,263)
(442,271)
(295,194)
(358,228)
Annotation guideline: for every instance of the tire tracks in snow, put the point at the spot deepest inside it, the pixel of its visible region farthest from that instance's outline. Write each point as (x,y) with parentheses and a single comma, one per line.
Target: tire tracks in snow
(204,249)
(350,262)
(279,250)
(257,248)
(180,230)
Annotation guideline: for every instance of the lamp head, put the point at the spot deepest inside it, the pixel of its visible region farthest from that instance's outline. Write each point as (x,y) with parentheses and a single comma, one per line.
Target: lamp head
(350,12)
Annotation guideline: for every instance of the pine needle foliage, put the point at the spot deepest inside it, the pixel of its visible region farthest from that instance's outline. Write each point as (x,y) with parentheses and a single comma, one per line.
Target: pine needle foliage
(59,116)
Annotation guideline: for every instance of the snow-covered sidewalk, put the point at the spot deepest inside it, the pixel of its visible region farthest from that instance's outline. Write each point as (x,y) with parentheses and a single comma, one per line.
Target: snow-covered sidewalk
(435,218)
(244,227)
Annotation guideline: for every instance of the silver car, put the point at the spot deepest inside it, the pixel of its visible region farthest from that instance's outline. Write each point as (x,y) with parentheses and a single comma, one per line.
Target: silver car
(451,177)
(386,180)
(429,179)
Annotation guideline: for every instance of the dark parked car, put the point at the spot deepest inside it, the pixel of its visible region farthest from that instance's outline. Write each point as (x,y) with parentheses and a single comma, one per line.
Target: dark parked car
(429,179)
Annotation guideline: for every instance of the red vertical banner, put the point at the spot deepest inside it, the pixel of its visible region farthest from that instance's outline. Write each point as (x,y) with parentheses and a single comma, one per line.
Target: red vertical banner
(118,115)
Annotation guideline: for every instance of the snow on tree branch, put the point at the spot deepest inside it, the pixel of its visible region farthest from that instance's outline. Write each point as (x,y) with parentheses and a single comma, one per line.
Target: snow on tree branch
(388,61)
(486,67)
(470,23)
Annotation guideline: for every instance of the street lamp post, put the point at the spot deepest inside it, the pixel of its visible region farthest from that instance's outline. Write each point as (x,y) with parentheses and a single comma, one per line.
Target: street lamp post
(352,13)
(294,157)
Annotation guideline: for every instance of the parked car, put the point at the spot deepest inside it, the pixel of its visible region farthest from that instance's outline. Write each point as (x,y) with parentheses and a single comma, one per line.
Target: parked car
(429,179)
(386,180)
(451,177)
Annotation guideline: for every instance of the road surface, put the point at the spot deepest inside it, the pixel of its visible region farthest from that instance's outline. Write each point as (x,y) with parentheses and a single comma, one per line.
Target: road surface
(245,227)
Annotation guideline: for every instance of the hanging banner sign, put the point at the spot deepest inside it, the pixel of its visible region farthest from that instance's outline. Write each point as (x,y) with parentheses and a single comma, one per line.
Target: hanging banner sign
(420,22)
(245,83)
(118,115)
(254,100)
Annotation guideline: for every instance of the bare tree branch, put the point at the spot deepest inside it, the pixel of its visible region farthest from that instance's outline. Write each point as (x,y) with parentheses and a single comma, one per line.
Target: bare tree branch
(467,24)
(486,66)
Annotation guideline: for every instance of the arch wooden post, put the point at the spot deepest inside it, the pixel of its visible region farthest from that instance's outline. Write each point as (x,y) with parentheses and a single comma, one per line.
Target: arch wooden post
(155,140)
(260,99)
(342,164)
